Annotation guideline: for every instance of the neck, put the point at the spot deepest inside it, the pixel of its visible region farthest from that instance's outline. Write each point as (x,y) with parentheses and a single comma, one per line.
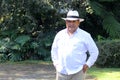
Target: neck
(70,33)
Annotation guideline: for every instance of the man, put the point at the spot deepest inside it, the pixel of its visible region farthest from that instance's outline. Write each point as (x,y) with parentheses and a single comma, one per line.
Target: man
(69,50)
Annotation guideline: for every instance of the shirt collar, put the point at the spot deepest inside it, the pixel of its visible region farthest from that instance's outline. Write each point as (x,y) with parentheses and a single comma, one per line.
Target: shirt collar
(77,30)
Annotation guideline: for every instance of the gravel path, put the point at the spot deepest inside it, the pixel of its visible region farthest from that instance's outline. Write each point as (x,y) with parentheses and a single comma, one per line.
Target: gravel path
(28,72)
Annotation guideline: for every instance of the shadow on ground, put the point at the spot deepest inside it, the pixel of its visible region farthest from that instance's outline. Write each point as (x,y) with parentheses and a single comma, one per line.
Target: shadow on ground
(29,72)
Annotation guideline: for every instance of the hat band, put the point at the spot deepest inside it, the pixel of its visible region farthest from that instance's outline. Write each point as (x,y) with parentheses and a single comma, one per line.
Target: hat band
(72,16)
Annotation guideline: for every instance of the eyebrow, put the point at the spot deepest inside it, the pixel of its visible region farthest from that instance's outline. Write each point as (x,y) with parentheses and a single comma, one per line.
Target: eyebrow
(72,20)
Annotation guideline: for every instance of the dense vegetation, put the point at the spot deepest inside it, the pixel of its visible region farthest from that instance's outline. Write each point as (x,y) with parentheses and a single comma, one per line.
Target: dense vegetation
(109,53)
(27,27)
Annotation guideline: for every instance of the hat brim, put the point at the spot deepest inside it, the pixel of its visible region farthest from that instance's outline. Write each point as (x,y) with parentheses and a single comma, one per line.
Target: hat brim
(80,19)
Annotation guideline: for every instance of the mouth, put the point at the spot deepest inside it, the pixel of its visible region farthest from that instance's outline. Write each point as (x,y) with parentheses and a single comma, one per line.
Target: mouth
(70,26)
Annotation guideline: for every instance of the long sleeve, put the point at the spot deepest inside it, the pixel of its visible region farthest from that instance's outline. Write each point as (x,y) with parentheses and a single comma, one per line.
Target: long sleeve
(69,52)
(93,51)
(54,52)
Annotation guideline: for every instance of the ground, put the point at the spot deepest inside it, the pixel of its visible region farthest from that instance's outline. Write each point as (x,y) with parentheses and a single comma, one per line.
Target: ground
(28,72)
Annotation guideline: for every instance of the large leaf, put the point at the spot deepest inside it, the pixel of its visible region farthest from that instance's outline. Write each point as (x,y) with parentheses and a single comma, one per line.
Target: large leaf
(4,44)
(22,39)
(108,0)
(98,8)
(16,47)
(34,45)
(110,24)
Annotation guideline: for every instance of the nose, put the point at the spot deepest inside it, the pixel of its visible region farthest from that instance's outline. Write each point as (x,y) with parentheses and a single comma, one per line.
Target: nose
(71,24)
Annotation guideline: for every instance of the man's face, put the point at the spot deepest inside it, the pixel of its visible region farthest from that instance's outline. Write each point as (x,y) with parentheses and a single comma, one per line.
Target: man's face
(72,25)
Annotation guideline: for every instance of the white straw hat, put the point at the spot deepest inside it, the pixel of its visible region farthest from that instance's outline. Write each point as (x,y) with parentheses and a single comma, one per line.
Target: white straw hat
(73,15)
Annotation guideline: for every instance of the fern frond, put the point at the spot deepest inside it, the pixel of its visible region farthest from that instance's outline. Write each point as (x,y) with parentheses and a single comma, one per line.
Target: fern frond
(98,8)
(112,26)
(107,0)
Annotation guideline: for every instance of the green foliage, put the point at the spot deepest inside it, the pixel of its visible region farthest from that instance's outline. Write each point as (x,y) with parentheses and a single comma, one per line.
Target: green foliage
(13,50)
(112,26)
(109,53)
(108,0)
(22,39)
(25,29)
(107,13)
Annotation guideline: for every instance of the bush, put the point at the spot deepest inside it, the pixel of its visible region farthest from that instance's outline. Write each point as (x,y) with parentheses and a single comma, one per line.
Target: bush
(25,29)
(109,53)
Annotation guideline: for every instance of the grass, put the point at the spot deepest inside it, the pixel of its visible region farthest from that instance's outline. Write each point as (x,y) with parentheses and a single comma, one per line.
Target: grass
(105,73)
(97,73)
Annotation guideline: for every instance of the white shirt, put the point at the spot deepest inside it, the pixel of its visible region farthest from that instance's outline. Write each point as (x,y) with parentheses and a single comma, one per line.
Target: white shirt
(69,52)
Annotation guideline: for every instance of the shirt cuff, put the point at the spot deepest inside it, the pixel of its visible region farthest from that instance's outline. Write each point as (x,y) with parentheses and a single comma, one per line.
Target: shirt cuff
(89,64)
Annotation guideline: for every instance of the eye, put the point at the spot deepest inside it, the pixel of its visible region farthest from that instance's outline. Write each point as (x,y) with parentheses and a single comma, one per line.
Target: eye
(74,21)
(68,21)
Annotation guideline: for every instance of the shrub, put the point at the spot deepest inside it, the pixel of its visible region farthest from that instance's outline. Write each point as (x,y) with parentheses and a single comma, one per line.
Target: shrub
(25,29)
(109,53)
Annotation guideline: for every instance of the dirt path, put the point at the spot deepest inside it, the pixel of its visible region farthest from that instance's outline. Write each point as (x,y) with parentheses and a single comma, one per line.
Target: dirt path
(28,72)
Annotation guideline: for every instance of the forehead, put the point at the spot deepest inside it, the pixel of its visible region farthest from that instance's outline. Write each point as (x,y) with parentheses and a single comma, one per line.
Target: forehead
(72,20)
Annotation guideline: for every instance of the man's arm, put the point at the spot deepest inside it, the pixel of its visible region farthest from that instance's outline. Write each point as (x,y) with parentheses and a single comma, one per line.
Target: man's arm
(93,51)
(54,54)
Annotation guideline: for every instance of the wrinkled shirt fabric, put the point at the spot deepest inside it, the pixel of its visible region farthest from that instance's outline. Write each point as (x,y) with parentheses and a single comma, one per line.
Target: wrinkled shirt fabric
(69,52)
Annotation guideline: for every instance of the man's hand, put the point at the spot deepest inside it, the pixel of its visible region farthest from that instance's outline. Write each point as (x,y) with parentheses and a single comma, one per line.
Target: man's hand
(85,67)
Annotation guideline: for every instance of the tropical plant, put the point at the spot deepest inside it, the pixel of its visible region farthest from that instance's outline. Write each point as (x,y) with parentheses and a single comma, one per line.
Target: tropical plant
(109,53)
(25,29)
(108,10)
